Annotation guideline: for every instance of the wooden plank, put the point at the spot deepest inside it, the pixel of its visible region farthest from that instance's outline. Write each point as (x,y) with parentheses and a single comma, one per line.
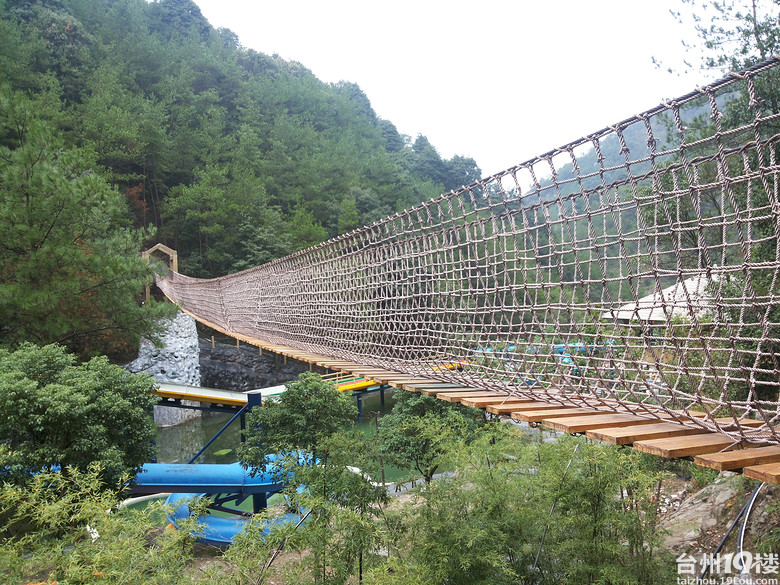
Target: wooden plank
(627,435)
(461,389)
(381,377)
(540,415)
(417,386)
(728,423)
(457,396)
(768,472)
(420,386)
(343,366)
(507,407)
(691,413)
(484,402)
(537,405)
(407,379)
(740,458)
(597,421)
(688,446)
(376,374)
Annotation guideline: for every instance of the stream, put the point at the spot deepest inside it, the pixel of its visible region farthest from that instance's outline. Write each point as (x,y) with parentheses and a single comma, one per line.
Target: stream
(179,443)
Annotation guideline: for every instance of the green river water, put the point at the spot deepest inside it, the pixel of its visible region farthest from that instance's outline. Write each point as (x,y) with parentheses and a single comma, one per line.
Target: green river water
(178,444)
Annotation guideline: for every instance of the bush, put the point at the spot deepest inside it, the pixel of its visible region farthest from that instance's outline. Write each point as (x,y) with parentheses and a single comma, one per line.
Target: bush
(54,413)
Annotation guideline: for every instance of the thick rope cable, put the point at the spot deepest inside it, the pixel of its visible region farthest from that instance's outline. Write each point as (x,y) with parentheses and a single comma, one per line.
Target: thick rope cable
(636,267)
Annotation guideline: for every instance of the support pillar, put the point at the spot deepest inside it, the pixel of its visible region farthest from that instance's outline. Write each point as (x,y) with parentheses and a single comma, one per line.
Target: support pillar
(255,399)
(259,503)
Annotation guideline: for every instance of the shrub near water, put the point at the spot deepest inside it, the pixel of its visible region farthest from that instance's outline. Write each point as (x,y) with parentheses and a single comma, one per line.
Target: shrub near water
(56,413)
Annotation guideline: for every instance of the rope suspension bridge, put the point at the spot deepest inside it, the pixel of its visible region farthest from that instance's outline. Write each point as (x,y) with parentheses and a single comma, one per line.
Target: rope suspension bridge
(624,285)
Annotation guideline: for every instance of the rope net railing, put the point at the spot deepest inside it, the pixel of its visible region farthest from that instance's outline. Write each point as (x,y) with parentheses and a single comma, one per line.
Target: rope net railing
(636,267)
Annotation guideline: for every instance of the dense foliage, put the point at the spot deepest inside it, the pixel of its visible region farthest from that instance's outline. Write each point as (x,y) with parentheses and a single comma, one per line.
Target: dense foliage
(517,510)
(236,156)
(54,413)
(419,431)
(312,418)
(69,265)
(514,510)
(513,507)
(307,413)
(65,527)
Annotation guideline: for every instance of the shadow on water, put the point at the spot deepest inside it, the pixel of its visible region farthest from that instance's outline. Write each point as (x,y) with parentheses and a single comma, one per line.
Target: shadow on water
(179,443)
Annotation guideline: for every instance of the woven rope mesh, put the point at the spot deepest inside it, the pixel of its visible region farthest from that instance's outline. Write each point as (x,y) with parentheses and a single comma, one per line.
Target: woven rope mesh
(637,266)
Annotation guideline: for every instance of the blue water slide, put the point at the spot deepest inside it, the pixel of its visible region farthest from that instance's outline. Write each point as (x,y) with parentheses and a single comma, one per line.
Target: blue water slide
(231,481)
(205,478)
(219,530)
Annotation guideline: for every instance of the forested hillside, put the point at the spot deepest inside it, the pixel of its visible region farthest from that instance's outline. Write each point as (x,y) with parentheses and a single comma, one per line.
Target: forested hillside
(236,156)
(127,122)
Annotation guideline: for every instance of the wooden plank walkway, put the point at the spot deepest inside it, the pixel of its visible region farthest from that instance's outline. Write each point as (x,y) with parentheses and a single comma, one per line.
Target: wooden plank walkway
(629,434)
(545,415)
(769,472)
(501,400)
(679,447)
(597,421)
(740,459)
(617,425)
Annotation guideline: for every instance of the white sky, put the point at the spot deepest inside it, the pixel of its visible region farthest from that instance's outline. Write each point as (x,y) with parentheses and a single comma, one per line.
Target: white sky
(497,80)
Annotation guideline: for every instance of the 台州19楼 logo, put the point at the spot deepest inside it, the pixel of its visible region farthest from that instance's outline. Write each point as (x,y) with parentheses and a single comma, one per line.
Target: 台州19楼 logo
(729,569)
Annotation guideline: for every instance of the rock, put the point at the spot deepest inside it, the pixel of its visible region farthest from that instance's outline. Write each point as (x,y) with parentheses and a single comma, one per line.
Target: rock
(184,359)
(228,367)
(177,361)
(709,509)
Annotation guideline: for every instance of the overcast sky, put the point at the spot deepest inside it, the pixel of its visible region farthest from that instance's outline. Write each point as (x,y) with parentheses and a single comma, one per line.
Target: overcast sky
(498,80)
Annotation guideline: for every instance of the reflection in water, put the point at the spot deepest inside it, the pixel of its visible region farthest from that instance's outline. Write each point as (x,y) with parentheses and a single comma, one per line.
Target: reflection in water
(178,444)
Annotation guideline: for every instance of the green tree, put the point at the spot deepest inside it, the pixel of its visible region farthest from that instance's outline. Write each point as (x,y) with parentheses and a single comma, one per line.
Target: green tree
(308,412)
(305,231)
(165,103)
(419,432)
(214,220)
(56,413)
(603,520)
(515,510)
(393,140)
(124,128)
(418,443)
(347,509)
(461,171)
(734,34)
(69,271)
(310,416)
(427,162)
(174,18)
(348,216)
